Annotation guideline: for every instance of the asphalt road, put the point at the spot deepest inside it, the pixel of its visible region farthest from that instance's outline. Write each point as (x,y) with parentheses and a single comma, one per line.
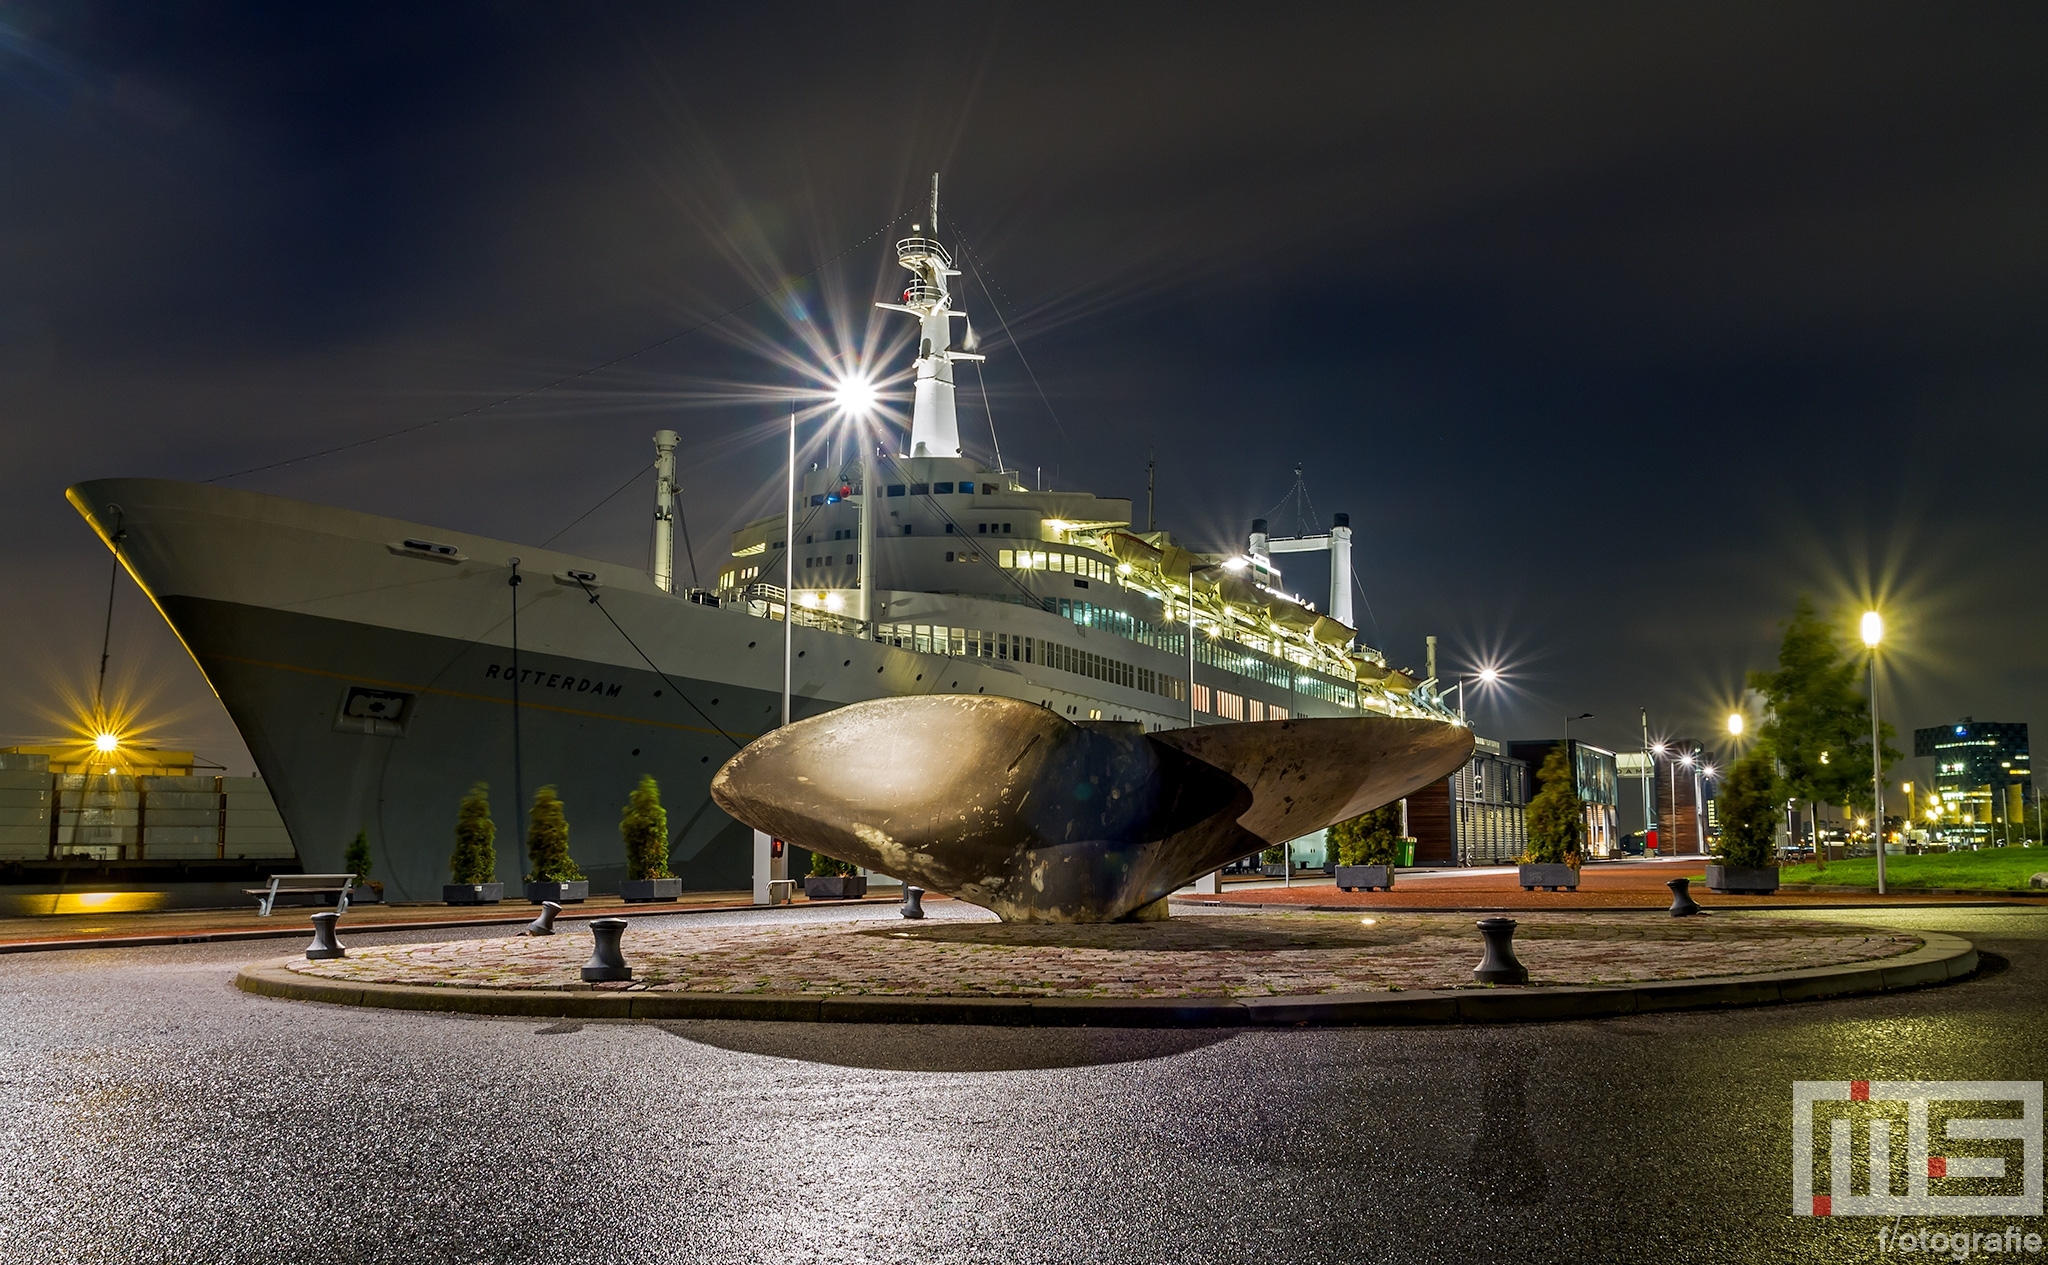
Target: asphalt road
(150,1112)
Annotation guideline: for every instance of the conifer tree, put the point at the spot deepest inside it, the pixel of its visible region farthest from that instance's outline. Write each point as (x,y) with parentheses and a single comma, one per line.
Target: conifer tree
(547,840)
(644,828)
(1557,816)
(475,859)
(1372,838)
(357,860)
(1749,812)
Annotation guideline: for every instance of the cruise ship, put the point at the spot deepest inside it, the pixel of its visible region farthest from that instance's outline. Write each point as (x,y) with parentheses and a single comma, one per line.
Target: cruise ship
(376,668)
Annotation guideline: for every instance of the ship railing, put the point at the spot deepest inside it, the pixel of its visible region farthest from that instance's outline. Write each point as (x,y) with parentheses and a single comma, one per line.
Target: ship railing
(769,601)
(912,250)
(919,293)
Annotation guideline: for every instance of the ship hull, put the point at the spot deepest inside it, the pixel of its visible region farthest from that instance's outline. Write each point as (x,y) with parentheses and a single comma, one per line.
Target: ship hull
(306,620)
(283,678)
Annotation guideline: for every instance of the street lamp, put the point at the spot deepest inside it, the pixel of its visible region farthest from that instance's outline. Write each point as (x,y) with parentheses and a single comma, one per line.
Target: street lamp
(1232,565)
(1212,883)
(1736,724)
(855,395)
(1873,633)
(1487,676)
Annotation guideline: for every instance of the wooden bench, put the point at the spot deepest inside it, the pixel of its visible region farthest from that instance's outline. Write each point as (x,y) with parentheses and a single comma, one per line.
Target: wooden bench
(335,885)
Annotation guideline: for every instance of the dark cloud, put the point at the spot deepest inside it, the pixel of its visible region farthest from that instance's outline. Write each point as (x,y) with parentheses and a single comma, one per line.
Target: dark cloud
(1613,327)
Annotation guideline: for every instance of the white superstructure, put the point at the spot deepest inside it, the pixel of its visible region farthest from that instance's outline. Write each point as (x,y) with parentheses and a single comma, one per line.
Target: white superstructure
(934,425)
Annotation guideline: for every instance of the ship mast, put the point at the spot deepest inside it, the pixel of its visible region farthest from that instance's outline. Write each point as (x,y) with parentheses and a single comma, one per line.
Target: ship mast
(665,510)
(934,427)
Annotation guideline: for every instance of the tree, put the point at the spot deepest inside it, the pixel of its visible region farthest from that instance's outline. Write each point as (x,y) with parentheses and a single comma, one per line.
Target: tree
(1749,800)
(823,866)
(1557,816)
(475,859)
(1818,727)
(644,827)
(547,840)
(1372,838)
(357,859)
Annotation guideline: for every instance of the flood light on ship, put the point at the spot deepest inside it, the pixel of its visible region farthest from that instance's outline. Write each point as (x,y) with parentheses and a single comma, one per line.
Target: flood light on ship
(107,742)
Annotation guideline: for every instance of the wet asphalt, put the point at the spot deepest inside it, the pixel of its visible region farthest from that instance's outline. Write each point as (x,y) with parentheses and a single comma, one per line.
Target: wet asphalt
(151,1112)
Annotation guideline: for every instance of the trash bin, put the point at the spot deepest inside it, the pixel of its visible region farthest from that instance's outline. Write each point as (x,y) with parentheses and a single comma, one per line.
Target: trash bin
(1407,852)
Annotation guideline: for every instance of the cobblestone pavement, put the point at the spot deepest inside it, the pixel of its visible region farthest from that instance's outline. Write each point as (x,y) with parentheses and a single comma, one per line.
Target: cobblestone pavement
(1251,955)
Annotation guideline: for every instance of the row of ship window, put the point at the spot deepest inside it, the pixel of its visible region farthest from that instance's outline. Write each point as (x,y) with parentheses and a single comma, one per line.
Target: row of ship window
(1055,560)
(973,643)
(1232,706)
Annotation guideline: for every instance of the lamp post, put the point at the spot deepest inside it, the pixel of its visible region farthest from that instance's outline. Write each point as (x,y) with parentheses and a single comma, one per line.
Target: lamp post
(1228,564)
(1487,676)
(1698,836)
(789,572)
(1211,884)
(1873,633)
(855,396)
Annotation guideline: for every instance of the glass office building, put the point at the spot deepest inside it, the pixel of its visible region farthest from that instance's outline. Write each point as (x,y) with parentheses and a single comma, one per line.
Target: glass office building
(1983,793)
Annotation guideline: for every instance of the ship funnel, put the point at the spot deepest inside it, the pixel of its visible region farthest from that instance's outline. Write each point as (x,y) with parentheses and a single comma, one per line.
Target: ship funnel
(665,510)
(934,426)
(1340,570)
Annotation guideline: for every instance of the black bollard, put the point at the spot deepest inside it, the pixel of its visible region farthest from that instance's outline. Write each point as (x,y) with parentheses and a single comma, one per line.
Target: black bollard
(913,902)
(324,944)
(1499,965)
(1682,903)
(606,961)
(545,924)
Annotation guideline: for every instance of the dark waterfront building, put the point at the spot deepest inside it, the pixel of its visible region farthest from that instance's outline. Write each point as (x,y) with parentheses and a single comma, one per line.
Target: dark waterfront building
(1475,815)
(1599,785)
(1983,783)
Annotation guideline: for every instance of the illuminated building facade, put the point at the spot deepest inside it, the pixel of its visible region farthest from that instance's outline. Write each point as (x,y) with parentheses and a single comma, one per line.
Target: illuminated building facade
(1983,790)
(1599,782)
(1474,816)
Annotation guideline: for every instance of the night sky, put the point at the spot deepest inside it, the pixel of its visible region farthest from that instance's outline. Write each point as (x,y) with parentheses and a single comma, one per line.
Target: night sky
(1613,329)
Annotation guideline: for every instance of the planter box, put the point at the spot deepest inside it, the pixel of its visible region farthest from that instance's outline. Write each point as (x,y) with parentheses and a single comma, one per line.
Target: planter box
(1555,876)
(574,893)
(1275,869)
(1757,880)
(835,887)
(644,889)
(366,894)
(1370,877)
(472,893)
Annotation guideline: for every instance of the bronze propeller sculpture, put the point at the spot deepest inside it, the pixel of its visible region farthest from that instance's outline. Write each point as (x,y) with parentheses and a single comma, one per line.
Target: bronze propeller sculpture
(1009,806)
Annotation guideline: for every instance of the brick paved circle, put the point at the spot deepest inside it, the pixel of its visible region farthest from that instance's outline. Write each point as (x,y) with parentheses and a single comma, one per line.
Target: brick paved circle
(1242,956)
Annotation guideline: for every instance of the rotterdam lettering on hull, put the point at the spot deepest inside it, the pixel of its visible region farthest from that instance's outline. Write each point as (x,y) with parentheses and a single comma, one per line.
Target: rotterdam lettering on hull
(553,680)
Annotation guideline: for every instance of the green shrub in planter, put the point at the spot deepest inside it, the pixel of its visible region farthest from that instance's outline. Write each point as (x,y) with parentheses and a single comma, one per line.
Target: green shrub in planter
(644,828)
(547,840)
(823,866)
(1557,816)
(1372,838)
(357,859)
(1749,813)
(475,859)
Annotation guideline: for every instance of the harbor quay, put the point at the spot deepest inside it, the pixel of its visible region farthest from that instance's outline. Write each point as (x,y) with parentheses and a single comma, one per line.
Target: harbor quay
(516,1136)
